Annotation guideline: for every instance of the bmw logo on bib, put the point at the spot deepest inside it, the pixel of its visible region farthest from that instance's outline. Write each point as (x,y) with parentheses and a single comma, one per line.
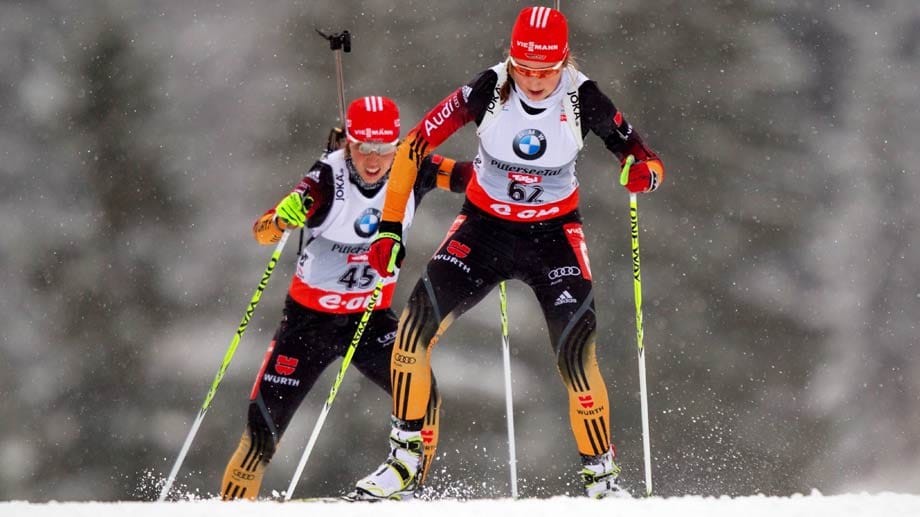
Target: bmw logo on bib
(529,144)
(366,224)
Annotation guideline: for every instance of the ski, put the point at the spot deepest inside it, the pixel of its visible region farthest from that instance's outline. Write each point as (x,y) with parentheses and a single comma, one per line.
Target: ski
(339,499)
(351,497)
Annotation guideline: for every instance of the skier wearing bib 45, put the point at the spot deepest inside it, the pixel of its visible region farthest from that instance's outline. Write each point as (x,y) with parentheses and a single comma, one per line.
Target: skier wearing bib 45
(339,203)
(520,220)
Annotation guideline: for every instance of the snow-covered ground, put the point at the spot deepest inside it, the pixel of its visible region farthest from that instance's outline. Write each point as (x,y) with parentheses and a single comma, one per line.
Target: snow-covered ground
(815,505)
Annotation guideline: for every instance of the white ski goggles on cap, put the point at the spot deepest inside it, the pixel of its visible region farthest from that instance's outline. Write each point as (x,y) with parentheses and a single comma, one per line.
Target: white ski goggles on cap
(381,148)
(376,147)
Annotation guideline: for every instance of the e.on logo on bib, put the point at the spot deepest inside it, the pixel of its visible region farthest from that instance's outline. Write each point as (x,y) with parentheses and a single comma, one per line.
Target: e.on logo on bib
(347,302)
(524,214)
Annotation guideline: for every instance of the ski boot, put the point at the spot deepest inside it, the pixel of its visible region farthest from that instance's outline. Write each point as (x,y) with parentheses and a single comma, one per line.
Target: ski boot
(397,477)
(601,475)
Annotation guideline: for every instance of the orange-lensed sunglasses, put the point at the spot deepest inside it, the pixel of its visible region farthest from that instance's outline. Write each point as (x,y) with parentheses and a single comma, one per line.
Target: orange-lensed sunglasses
(539,73)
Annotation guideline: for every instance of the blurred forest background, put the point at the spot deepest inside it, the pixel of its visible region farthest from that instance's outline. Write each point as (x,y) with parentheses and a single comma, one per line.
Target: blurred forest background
(781,258)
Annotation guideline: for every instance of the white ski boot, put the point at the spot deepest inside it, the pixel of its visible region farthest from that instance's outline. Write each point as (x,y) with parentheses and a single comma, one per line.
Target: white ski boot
(601,475)
(397,477)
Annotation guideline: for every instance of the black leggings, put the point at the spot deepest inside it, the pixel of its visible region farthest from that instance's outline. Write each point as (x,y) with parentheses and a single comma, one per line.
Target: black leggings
(478,252)
(305,343)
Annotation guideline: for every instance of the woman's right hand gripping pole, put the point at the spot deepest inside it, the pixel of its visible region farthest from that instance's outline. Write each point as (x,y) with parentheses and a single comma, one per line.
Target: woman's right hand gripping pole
(387,251)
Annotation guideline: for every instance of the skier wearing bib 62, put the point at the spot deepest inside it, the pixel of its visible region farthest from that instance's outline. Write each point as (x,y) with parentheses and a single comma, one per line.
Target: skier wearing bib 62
(520,220)
(338,202)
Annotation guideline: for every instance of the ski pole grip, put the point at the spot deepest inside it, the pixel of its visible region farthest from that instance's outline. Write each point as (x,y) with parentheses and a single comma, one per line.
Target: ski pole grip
(391,266)
(624,174)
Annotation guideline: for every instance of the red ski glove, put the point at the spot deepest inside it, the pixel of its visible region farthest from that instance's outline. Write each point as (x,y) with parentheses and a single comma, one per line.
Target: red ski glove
(645,176)
(387,251)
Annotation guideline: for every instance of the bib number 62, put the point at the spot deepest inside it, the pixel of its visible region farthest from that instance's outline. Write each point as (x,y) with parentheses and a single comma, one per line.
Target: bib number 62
(527,193)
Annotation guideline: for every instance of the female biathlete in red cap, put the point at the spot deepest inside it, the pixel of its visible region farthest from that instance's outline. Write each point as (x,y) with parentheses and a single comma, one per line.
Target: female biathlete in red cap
(520,220)
(339,201)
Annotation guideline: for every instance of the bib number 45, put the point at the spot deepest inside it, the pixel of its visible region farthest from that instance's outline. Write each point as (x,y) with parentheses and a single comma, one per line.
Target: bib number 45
(352,278)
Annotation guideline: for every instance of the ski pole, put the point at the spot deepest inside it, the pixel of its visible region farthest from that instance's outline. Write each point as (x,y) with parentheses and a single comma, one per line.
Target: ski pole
(355,340)
(228,356)
(509,402)
(637,290)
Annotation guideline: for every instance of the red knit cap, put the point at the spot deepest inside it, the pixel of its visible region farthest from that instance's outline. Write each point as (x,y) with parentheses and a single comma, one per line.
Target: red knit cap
(372,119)
(540,34)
